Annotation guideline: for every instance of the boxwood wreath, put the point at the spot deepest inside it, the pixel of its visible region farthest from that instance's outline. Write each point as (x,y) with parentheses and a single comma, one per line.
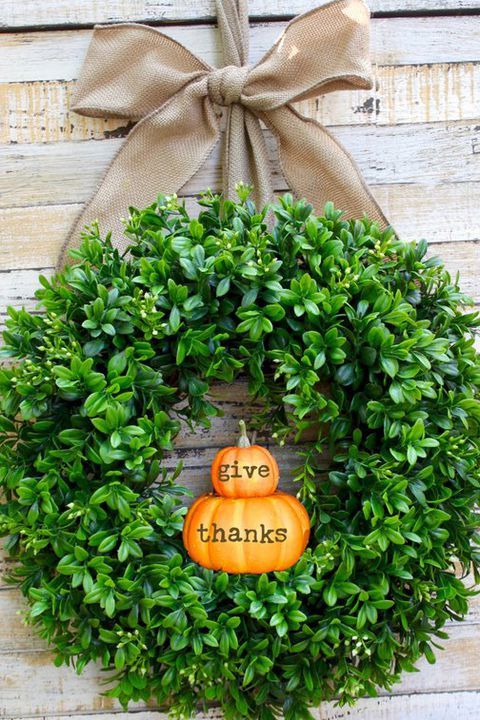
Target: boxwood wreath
(344,332)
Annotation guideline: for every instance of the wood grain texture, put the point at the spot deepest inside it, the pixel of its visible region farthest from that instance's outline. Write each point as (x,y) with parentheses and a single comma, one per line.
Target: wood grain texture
(60,691)
(430,706)
(17,287)
(58,55)
(414,82)
(48,13)
(40,112)
(416,137)
(31,237)
(58,173)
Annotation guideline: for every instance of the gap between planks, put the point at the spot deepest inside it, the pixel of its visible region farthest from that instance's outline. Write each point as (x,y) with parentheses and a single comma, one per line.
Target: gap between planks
(437,706)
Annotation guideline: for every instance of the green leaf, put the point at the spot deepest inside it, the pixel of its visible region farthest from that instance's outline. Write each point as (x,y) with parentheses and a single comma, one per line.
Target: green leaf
(354,346)
(330,595)
(72,437)
(389,365)
(223,287)
(93,347)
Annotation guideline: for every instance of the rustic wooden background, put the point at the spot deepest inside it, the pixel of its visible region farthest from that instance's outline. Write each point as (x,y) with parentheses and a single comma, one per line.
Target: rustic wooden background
(417,141)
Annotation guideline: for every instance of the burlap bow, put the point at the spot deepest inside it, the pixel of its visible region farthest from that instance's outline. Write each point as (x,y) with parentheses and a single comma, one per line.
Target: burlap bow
(136,72)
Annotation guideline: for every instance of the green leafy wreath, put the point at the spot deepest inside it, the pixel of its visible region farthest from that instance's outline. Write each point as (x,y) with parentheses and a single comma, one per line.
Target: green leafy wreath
(343,331)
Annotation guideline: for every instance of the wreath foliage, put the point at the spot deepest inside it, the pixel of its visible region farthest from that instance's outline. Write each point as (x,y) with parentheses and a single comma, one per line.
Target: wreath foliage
(343,331)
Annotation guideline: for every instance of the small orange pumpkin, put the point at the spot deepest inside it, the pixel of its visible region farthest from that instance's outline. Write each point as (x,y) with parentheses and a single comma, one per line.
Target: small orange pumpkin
(253,530)
(244,470)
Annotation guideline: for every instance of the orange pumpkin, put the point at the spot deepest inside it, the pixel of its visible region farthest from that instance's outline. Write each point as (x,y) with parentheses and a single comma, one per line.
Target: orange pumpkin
(252,530)
(244,470)
(246,535)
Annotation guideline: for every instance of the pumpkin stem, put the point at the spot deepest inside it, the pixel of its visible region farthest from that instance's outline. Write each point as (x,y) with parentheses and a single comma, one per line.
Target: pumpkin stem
(243,440)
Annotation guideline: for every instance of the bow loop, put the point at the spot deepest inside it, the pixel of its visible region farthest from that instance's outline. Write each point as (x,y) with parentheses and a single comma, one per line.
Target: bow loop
(137,72)
(131,70)
(225,85)
(320,51)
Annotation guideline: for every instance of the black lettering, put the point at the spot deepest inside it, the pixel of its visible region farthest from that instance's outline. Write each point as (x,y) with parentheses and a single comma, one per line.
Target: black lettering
(234,535)
(223,475)
(247,533)
(281,534)
(235,473)
(264,471)
(249,470)
(218,531)
(266,534)
(203,530)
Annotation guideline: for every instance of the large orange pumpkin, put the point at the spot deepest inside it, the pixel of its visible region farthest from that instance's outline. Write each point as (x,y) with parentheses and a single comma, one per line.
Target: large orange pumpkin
(254,532)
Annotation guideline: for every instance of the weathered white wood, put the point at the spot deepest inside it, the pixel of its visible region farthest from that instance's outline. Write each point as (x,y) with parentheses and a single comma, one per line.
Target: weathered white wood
(40,112)
(419,40)
(31,237)
(58,691)
(426,178)
(441,706)
(31,13)
(36,70)
(32,686)
(17,287)
(433,706)
(68,172)
(58,55)
(17,636)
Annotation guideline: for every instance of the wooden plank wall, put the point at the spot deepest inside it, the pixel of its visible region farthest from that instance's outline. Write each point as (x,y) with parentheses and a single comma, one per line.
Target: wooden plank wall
(417,141)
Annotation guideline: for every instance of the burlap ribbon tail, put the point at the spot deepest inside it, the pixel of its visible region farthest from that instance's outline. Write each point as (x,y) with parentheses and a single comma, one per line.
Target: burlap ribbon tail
(136,72)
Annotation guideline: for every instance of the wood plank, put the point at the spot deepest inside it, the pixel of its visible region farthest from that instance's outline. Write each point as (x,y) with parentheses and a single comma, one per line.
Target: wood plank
(58,691)
(31,237)
(39,112)
(421,6)
(37,69)
(441,706)
(195,475)
(57,13)
(428,72)
(17,636)
(65,173)
(59,54)
(432,706)
(196,447)
(32,686)
(17,287)
(420,40)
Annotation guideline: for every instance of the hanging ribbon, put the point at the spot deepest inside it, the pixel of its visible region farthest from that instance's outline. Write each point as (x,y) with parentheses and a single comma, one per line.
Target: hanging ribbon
(136,72)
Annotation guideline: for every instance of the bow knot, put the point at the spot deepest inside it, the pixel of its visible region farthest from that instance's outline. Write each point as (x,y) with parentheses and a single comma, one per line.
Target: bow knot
(225,84)
(136,72)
